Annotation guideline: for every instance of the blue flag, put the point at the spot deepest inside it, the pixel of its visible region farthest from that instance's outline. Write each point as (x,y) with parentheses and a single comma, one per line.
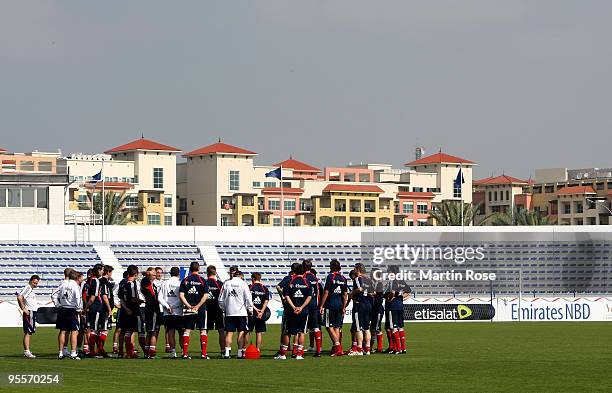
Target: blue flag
(96,178)
(275,173)
(459,180)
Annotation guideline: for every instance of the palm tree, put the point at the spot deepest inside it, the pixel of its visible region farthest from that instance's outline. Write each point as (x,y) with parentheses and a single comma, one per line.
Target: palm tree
(521,217)
(115,212)
(448,213)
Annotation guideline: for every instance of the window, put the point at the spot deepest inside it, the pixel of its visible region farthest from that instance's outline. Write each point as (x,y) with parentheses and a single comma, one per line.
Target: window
(490,196)
(456,193)
(167,220)
(579,208)
(158,177)
(256,184)
(287,184)
(234,180)
(14,197)
(45,166)
(407,207)
(269,184)
(422,223)
(276,221)
(26,166)
(495,195)
(433,189)
(82,198)
(289,221)
(2,197)
(168,201)
(567,208)
(290,205)
(507,195)
(410,223)
(417,189)
(183,204)
(131,201)
(153,219)
(224,221)
(41,198)
(152,199)
(273,204)
(422,208)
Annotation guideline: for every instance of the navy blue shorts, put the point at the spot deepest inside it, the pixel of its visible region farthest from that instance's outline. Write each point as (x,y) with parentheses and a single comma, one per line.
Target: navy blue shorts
(214,318)
(296,323)
(153,320)
(314,319)
(394,319)
(259,325)
(67,320)
(173,322)
(29,323)
(333,318)
(97,319)
(236,323)
(361,317)
(196,321)
(376,317)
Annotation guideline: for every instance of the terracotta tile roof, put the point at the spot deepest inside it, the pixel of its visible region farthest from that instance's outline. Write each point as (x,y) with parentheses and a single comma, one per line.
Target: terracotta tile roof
(298,166)
(219,147)
(2,150)
(576,190)
(286,190)
(440,158)
(353,188)
(143,144)
(503,179)
(415,194)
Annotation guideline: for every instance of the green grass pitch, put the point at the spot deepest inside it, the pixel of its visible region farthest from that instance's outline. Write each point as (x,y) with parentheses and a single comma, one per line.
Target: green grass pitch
(441,357)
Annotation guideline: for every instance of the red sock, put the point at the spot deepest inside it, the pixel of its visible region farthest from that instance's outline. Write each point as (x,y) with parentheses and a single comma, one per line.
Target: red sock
(203,343)
(129,347)
(367,349)
(101,341)
(318,340)
(92,343)
(354,346)
(152,350)
(403,339)
(185,344)
(379,341)
(396,339)
(283,350)
(390,339)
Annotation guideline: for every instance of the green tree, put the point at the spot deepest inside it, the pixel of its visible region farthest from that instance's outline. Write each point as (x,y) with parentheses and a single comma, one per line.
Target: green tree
(448,213)
(115,212)
(521,217)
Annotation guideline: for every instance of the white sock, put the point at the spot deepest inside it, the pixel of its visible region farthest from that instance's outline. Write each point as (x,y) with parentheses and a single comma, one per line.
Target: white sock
(227,351)
(61,353)
(73,353)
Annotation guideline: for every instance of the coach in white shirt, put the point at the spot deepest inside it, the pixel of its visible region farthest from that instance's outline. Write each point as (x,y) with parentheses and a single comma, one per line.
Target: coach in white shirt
(172,307)
(237,304)
(70,304)
(29,306)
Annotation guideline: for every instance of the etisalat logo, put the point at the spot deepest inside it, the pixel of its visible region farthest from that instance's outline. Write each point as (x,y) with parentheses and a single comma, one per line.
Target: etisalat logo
(414,254)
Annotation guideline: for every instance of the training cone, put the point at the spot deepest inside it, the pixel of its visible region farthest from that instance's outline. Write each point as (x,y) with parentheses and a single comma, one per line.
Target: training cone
(252,352)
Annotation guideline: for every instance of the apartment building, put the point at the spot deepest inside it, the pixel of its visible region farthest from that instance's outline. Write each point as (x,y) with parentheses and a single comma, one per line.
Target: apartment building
(500,194)
(574,196)
(219,184)
(143,169)
(31,188)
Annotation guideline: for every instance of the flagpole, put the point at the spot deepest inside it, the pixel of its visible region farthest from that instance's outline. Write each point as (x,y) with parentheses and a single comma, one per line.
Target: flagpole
(282,204)
(103,209)
(461,193)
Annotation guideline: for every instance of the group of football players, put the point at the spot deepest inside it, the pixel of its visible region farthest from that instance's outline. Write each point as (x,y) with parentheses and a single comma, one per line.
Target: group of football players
(144,302)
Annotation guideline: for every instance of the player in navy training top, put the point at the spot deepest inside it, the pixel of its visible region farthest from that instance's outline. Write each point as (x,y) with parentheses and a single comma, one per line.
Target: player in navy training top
(285,337)
(378,312)
(397,291)
(333,305)
(94,308)
(260,296)
(298,294)
(153,315)
(362,308)
(193,293)
(118,334)
(106,292)
(314,317)
(214,315)
(130,308)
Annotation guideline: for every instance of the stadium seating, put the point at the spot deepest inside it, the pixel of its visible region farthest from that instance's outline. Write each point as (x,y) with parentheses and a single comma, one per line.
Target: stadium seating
(164,255)
(18,261)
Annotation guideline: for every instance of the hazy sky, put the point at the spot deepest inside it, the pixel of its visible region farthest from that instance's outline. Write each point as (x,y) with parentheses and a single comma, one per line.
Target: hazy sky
(512,85)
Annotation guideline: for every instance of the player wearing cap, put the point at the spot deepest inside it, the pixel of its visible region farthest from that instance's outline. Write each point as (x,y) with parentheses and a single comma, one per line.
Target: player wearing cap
(333,305)
(213,311)
(298,294)
(29,306)
(153,317)
(70,303)
(172,306)
(261,297)
(193,293)
(236,302)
